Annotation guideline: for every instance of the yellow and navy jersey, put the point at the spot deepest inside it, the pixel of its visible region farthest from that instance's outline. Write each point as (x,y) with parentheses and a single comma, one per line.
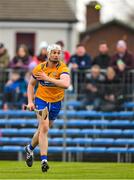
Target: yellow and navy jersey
(48,91)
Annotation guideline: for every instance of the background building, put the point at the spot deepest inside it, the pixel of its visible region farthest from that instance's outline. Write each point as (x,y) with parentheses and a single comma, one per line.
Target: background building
(31,22)
(110,32)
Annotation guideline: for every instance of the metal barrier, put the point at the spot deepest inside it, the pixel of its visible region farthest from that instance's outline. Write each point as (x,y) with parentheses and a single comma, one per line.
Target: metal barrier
(79,81)
(126,84)
(6,75)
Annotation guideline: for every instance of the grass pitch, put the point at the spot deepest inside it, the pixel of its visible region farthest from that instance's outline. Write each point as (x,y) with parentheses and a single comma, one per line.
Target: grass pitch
(61,170)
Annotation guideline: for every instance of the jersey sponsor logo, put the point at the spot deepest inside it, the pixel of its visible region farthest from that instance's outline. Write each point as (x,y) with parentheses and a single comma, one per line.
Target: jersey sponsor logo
(46,83)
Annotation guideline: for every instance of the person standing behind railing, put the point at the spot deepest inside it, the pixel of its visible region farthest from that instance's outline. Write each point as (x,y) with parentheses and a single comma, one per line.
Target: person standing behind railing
(41,56)
(4,57)
(81,59)
(113,92)
(22,58)
(111,85)
(94,88)
(4,62)
(79,62)
(123,61)
(14,94)
(103,58)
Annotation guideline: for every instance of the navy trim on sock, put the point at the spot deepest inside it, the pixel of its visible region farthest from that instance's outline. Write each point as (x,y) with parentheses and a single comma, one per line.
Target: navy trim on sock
(31,147)
(44,157)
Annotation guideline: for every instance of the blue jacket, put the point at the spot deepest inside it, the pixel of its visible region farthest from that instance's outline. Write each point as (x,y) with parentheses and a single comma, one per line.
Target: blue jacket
(83,62)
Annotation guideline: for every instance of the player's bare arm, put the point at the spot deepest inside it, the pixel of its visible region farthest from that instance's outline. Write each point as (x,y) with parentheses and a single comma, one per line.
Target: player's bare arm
(30,93)
(63,82)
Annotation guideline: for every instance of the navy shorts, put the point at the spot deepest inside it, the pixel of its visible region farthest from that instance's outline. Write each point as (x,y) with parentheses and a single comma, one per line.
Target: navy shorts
(53,108)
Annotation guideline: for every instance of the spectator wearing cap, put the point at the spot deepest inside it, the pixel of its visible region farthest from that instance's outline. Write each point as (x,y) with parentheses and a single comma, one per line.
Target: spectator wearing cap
(41,57)
(65,54)
(4,57)
(122,60)
(103,58)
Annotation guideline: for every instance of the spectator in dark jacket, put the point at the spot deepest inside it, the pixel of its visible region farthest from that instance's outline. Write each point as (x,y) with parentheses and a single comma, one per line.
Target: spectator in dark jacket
(22,58)
(15,92)
(94,88)
(122,60)
(79,62)
(113,92)
(112,85)
(103,59)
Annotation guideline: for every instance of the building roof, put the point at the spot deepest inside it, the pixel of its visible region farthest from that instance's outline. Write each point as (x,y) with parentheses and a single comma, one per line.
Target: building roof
(36,11)
(98,26)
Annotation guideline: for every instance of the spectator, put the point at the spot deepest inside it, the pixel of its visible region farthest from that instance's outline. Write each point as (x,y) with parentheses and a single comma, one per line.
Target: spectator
(103,59)
(122,60)
(4,62)
(42,56)
(94,89)
(4,57)
(33,63)
(65,54)
(22,58)
(80,60)
(15,92)
(113,91)
(42,52)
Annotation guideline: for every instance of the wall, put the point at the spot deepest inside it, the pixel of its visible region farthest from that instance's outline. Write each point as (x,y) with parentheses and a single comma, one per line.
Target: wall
(111,34)
(50,32)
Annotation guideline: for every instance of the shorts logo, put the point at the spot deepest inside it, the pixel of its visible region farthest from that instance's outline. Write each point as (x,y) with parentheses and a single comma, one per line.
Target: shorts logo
(46,83)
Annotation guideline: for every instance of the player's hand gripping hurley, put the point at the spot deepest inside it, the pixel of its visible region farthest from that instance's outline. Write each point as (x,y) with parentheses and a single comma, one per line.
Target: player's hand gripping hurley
(42,113)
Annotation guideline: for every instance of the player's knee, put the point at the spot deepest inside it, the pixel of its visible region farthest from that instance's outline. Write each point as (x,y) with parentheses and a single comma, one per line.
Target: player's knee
(45,129)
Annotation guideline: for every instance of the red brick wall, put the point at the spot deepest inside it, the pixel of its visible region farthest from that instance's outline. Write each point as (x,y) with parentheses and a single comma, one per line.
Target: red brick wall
(92,16)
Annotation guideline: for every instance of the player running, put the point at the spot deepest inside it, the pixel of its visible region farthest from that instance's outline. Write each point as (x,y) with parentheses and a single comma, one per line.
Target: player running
(53,77)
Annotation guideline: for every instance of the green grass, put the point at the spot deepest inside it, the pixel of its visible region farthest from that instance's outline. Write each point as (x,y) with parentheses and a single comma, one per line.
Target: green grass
(61,170)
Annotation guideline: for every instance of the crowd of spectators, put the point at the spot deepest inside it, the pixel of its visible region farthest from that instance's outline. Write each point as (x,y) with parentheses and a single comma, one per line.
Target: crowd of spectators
(98,79)
(107,83)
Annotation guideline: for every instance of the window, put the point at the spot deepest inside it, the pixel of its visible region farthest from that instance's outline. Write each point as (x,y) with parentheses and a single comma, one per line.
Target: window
(28,39)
